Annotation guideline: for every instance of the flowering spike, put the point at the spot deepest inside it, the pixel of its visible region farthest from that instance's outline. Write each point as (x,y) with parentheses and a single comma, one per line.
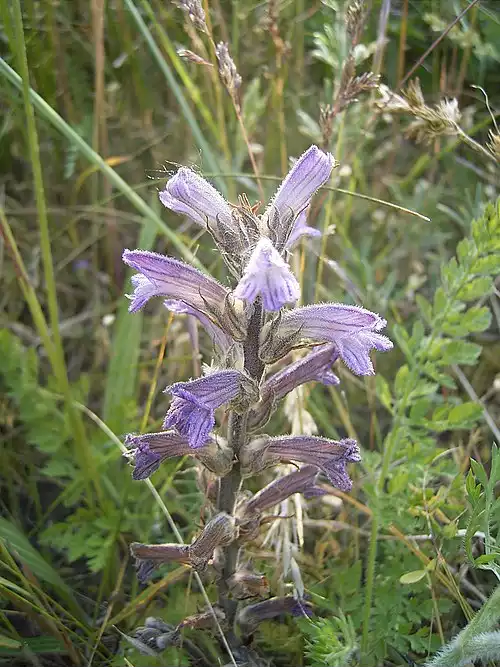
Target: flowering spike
(331,456)
(192,411)
(350,328)
(189,194)
(149,450)
(267,274)
(308,174)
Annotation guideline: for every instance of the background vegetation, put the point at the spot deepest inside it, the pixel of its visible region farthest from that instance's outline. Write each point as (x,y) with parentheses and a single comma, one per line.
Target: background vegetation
(399,566)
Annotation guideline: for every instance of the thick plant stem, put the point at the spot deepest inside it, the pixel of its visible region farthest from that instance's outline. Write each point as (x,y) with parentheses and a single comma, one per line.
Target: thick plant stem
(230,485)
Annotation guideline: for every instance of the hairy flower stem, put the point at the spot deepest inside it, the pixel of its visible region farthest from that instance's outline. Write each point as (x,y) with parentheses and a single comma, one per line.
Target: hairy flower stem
(230,485)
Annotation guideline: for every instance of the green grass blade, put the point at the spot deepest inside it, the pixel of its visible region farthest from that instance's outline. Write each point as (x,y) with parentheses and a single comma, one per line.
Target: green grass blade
(19,545)
(179,95)
(94,158)
(122,372)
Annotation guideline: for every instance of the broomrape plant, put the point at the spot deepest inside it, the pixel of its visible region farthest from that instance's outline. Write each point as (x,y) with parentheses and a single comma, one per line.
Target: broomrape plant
(252,324)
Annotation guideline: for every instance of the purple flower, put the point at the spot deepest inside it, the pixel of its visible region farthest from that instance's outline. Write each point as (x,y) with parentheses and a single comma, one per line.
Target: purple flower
(350,328)
(300,229)
(219,338)
(314,367)
(189,194)
(163,276)
(192,411)
(150,556)
(147,451)
(299,481)
(267,274)
(308,174)
(331,456)
(251,616)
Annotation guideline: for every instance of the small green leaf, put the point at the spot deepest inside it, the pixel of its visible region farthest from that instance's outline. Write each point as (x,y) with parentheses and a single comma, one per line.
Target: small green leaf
(425,307)
(485,559)
(383,392)
(475,288)
(465,415)
(401,379)
(489,265)
(412,577)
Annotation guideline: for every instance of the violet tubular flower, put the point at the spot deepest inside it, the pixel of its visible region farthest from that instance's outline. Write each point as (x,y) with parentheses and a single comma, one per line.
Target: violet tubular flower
(149,450)
(314,367)
(268,275)
(330,456)
(352,329)
(189,194)
(159,275)
(192,411)
(308,174)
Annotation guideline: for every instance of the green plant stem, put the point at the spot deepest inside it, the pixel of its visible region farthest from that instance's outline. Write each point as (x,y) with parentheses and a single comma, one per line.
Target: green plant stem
(230,485)
(82,450)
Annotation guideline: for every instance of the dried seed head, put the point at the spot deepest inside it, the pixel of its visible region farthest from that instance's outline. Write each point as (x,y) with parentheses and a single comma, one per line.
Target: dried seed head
(354,20)
(228,72)
(186,54)
(195,13)
(494,144)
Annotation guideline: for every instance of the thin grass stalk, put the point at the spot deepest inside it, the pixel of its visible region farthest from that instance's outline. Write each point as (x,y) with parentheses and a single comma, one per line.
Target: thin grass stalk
(177,90)
(217,87)
(67,131)
(190,86)
(82,449)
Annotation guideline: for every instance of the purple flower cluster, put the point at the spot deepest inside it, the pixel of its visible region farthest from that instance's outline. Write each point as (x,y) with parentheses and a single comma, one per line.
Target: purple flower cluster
(252,323)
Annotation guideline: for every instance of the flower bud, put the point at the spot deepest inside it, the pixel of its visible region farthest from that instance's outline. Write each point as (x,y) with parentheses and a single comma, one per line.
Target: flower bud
(219,532)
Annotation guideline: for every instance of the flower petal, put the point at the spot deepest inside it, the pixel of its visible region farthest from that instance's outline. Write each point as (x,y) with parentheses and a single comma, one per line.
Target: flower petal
(331,456)
(189,194)
(350,328)
(355,350)
(267,274)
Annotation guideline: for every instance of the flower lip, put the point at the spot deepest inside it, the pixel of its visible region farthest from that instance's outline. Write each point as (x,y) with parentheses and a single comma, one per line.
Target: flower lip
(267,274)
